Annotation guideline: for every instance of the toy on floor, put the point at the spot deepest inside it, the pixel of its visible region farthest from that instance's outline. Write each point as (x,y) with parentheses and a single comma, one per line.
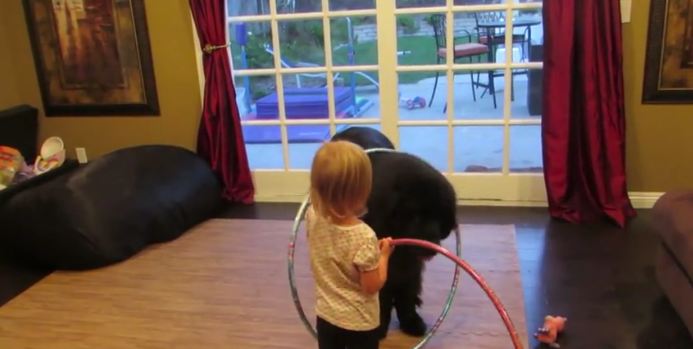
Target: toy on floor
(553,325)
(413,103)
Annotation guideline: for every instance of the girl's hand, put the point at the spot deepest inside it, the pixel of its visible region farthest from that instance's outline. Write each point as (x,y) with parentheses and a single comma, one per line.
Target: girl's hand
(385,246)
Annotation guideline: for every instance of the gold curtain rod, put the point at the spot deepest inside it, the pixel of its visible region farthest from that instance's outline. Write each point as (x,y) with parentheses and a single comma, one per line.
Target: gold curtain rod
(209,48)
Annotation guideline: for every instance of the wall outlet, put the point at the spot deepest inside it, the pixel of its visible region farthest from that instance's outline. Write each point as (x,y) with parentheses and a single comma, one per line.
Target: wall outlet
(81,155)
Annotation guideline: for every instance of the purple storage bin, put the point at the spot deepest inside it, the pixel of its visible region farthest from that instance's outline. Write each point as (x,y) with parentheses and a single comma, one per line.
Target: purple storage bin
(304,103)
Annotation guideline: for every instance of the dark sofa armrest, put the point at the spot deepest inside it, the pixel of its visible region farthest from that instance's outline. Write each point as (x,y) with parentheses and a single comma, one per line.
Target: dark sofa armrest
(19,129)
(672,218)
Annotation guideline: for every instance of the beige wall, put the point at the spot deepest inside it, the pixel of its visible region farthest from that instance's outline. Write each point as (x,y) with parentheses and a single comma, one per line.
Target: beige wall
(659,137)
(8,85)
(175,69)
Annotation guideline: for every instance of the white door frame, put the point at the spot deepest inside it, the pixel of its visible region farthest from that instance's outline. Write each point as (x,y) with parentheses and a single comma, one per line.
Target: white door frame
(290,185)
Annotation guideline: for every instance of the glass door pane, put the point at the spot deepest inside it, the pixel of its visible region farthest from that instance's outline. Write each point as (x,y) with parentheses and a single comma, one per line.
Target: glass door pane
(434,75)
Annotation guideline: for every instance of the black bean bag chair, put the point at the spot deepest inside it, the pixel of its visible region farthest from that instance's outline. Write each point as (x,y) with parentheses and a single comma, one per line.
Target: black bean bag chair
(108,210)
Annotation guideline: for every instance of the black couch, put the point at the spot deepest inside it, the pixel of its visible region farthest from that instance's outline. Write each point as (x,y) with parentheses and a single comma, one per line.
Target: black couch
(93,215)
(19,128)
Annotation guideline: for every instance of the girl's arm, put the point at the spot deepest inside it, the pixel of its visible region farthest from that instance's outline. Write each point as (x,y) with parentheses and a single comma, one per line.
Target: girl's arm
(373,280)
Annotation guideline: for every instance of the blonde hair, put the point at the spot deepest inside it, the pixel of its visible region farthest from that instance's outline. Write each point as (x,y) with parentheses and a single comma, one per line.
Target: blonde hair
(340,179)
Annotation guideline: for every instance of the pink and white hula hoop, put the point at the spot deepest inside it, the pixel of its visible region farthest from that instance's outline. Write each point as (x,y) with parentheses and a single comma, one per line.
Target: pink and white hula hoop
(413,242)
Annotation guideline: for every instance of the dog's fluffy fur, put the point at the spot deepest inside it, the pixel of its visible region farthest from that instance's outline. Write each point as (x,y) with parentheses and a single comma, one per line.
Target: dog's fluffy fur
(409,199)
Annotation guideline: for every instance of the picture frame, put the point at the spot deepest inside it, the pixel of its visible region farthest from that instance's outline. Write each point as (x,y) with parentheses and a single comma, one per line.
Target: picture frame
(668,74)
(92,57)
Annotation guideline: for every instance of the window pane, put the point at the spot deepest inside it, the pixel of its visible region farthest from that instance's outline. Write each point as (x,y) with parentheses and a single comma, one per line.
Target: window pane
(302,43)
(253,92)
(534,93)
(304,141)
(528,35)
(415,92)
(525,148)
(305,96)
(263,145)
(526,93)
(336,5)
(480,2)
(251,45)
(298,6)
(416,41)
(488,28)
(357,95)
(354,41)
(428,142)
(487,97)
(247,7)
(470,44)
(419,3)
(341,128)
(478,148)
(478,95)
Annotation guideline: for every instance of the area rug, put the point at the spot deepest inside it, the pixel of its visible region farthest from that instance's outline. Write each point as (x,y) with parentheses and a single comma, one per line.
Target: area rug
(224,285)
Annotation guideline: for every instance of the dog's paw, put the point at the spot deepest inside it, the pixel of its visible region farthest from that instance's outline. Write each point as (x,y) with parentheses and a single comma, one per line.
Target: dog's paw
(413,325)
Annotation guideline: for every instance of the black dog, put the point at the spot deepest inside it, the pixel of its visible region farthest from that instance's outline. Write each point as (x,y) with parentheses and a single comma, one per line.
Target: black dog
(409,199)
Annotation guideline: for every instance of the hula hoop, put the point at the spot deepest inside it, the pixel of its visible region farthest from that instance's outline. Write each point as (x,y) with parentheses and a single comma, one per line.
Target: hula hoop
(479,280)
(292,279)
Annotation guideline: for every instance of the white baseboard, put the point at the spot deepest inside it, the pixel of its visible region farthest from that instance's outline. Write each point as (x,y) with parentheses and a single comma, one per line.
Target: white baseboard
(643,199)
(638,199)
(280,198)
(501,203)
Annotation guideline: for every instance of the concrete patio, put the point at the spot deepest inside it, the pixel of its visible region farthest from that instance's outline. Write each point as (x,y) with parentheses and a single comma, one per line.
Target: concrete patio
(477,148)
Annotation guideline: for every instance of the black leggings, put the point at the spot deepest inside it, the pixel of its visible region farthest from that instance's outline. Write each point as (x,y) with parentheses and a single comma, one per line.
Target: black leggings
(333,337)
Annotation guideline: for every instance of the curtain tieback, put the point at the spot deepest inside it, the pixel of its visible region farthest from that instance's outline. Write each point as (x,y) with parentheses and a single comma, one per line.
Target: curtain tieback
(209,48)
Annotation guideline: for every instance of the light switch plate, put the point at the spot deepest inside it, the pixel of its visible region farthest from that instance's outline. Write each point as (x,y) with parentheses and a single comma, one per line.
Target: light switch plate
(81,155)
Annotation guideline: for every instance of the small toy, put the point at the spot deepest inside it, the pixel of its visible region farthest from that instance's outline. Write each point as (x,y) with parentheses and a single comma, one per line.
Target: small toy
(413,103)
(52,155)
(11,162)
(553,325)
(416,102)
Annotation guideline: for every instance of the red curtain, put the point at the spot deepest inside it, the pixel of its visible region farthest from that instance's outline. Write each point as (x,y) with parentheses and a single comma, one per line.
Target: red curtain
(583,130)
(219,139)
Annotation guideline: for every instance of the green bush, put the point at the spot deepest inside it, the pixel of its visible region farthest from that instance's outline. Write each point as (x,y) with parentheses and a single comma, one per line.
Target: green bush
(419,3)
(408,24)
(262,86)
(257,56)
(340,29)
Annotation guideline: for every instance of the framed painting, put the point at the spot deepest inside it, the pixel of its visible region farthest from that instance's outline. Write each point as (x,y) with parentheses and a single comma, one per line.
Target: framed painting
(669,57)
(92,57)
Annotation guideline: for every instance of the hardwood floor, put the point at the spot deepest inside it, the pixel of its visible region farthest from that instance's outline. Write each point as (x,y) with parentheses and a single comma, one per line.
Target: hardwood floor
(600,277)
(223,284)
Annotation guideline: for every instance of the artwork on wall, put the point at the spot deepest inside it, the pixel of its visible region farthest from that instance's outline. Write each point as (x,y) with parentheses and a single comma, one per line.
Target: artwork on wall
(92,57)
(669,60)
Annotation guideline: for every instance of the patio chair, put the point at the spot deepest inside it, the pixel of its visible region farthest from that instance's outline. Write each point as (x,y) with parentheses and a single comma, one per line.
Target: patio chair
(494,38)
(466,50)
(497,37)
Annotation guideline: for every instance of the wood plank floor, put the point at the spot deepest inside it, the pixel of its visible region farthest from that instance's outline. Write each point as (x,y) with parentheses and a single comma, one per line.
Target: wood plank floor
(224,285)
(601,277)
